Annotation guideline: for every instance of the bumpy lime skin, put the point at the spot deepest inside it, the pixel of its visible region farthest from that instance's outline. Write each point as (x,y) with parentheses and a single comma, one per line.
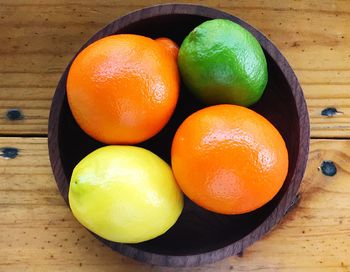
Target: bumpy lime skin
(221,62)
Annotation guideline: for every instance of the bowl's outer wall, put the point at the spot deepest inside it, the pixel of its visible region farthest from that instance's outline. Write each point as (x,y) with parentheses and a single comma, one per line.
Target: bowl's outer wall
(199,236)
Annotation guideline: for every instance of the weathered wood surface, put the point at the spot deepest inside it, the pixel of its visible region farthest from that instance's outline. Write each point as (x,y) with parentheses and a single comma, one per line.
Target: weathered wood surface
(38,232)
(38,38)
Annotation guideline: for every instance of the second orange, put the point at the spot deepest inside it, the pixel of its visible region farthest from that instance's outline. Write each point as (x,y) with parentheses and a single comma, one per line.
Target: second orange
(229,159)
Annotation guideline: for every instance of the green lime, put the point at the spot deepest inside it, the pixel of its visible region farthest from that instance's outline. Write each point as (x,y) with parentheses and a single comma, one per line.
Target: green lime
(221,62)
(125,194)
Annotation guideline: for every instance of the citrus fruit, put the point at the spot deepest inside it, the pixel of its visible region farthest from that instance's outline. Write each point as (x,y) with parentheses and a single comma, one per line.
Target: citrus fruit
(221,62)
(229,159)
(123,88)
(169,45)
(125,194)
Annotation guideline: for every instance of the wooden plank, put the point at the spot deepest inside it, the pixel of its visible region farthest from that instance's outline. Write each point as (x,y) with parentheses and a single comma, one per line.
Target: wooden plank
(38,38)
(34,103)
(38,232)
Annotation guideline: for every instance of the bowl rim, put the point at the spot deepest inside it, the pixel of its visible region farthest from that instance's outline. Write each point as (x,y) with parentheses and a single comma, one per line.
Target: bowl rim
(304,134)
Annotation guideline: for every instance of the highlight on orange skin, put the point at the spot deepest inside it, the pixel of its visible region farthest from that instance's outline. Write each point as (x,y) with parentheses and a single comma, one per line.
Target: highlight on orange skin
(229,159)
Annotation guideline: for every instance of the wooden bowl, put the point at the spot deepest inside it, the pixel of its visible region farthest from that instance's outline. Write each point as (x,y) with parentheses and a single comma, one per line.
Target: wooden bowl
(199,236)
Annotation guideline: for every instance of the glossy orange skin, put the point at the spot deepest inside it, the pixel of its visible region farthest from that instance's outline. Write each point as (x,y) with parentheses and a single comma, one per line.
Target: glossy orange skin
(169,45)
(229,159)
(123,89)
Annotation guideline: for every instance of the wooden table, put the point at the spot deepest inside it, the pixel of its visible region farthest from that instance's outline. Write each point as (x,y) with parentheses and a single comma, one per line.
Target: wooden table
(37,230)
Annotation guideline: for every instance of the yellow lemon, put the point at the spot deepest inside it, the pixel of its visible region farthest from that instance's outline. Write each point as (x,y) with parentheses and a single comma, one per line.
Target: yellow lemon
(125,194)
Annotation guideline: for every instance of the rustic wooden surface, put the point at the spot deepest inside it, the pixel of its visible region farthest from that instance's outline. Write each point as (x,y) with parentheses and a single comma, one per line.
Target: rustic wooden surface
(39,37)
(37,231)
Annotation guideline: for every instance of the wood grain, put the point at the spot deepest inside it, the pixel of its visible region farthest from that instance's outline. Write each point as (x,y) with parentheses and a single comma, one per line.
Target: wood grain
(38,232)
(38,38)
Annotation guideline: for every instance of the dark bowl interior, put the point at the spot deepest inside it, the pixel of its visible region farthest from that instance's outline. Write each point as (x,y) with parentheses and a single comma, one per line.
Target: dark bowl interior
(197,231)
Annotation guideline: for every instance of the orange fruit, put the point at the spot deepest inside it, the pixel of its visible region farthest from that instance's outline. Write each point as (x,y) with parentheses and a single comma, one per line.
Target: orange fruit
(169,45)
(229,159)
(123,89)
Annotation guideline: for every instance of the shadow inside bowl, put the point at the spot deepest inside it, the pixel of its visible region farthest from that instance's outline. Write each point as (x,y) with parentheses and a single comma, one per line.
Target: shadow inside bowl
(197,230)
